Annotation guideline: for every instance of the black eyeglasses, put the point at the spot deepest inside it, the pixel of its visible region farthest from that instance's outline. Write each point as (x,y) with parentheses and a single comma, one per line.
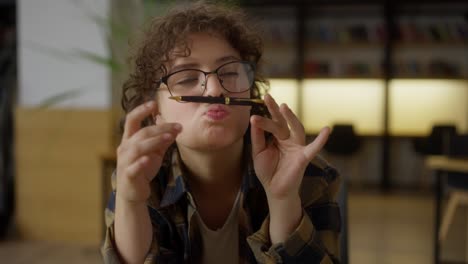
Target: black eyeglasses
(234,77)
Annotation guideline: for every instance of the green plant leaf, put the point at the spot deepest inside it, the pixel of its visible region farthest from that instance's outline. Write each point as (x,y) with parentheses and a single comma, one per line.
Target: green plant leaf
(57,98)
(53,52)
(108,62)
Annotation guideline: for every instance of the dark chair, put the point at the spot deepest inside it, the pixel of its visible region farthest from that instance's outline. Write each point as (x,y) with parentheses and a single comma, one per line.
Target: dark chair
(458,146)
(343,140)
(439,139)
(343,203)
(437,142)
(457,183)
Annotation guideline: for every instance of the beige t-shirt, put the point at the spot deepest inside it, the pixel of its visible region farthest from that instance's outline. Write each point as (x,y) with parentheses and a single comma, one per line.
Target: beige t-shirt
(221,245)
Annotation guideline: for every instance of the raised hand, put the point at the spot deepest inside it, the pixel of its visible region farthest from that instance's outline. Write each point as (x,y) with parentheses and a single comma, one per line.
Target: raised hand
(141,152)
(280,164)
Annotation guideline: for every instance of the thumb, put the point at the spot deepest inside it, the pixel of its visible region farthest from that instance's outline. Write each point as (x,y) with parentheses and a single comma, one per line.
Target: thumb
(257,137)
(313,148)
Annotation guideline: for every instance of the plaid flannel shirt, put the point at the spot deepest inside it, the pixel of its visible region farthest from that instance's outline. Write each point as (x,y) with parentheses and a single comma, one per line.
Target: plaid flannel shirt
(177,238)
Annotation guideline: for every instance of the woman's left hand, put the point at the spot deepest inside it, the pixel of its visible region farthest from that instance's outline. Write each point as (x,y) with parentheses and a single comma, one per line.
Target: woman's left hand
(281,163)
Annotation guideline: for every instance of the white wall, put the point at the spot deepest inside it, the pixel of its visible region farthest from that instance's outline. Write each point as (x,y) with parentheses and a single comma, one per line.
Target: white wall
(49,27)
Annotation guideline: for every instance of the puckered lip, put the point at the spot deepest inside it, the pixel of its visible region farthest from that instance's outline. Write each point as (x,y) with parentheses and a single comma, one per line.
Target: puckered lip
(217,112)
(217,108)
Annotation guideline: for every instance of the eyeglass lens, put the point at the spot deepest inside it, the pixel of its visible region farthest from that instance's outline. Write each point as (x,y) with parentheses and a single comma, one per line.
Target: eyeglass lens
(234,77)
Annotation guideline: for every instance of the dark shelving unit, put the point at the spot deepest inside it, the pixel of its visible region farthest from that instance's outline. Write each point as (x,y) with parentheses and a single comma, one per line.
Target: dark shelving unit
(388,43)
(8,75)
(397,35)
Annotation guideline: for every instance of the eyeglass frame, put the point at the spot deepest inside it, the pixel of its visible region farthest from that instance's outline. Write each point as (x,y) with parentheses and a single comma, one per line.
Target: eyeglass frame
(165,78)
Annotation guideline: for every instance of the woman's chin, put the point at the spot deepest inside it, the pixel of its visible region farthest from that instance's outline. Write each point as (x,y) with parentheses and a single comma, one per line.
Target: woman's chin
(216,143)
(211,142)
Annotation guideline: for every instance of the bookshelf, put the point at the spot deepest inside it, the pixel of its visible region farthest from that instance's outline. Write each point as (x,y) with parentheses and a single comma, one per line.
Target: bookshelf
(344,41)
(390,41)
(414,53)
(391,68)
(279,26)
(430,44)
(339,39)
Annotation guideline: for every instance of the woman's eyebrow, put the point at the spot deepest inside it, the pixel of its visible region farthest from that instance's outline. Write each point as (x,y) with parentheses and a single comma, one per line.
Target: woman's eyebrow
(227,58)
(185,66)
(194,65)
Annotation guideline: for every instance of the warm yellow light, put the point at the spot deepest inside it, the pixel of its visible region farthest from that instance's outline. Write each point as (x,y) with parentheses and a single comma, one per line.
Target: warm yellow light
(416,105)
(356,101)
(285,91)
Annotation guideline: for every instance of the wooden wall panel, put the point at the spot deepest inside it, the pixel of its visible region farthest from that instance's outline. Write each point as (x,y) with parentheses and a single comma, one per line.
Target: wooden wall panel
(58,173)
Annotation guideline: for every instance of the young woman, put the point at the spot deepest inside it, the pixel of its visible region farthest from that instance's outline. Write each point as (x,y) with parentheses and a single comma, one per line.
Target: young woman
(201,182)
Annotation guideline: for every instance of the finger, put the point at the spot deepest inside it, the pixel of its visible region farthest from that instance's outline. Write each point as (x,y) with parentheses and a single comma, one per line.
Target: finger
(258,138)
(155,130)
(137,167)
(277,117)
(297,129)
(154,145)
(158,144)
(314,148)
(270,126)
(273,108)
(136,116)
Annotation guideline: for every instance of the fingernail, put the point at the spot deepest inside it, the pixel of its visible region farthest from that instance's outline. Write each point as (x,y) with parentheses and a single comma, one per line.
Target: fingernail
(149,104)
(167,136)
(178,127)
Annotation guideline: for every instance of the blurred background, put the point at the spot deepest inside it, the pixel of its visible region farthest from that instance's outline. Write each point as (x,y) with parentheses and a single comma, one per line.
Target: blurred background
(390,78)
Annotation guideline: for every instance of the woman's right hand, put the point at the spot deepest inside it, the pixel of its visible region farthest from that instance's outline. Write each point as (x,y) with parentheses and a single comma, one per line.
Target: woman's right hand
(141,153)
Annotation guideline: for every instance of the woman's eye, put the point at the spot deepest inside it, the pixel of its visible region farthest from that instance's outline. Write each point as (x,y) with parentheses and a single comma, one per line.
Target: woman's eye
(187,81)
(229,74)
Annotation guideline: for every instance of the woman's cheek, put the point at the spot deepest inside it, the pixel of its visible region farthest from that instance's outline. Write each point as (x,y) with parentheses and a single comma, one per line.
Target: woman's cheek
(172,111)
(244,118)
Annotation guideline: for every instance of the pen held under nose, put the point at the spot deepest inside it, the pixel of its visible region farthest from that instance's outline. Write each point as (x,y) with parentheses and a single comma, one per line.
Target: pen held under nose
(217,100)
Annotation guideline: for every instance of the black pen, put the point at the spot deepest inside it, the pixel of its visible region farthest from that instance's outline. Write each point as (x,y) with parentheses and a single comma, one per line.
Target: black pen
(217,100)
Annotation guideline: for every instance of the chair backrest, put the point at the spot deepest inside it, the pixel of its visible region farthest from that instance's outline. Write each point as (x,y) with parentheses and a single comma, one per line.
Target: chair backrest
(343,140)
(458,146)
(439,140)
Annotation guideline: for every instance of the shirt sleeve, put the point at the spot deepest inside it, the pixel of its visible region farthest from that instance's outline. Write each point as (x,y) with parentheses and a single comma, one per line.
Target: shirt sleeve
(316,239)
(109,250)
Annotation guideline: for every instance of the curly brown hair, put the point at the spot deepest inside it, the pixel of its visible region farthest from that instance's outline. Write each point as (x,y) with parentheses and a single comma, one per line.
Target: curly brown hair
(172,30)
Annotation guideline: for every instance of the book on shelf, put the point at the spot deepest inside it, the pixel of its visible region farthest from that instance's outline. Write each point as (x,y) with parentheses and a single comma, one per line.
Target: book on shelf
(432,32)
(345,34)
(436,68)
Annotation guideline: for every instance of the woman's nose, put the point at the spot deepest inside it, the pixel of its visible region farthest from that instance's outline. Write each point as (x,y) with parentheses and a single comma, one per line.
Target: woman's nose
(213,86)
